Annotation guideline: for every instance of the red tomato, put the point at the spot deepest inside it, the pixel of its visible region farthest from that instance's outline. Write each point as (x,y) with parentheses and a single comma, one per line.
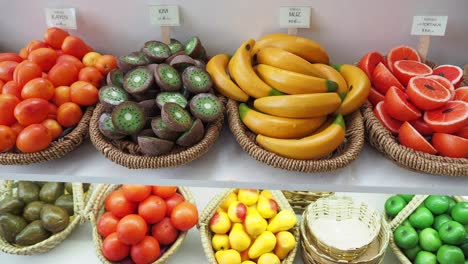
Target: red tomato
(91,75)
(145,252)
(12,88)
(44,57)
(131,229)
(53,109)
(7,138)
(75,46)
(70,59)
(38,88)
(6,70)
(136,193)
(118,205)
(54,128)
(63,74)
(35,44)
(69,114)
(31,111)
(55,37)
(106,63)
(152,209)
(8,103)
(1,85)
(26,71)
(23,53)
(62,95)
(172,202)
(164,191)
(84,93)
(10,56)
(33,138)
(184,216)
(165,232)
(17,128)
(107,224)
(113,249)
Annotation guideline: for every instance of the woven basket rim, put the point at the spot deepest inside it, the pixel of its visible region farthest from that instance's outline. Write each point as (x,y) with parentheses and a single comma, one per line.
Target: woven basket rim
(354,136)
(57,148)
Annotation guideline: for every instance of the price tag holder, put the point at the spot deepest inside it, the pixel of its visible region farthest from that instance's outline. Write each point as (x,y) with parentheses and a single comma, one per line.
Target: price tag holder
(425,27)
(64,18)
(166,16)
(294,17)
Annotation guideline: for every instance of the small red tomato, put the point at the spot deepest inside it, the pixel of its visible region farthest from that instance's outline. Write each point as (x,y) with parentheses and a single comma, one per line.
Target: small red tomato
(165,232)
(131,229)
(172,202)
(184,216)
(145,252)
(164,191)
(107,224)
(118,205)
(152,209)
(33,138)
(113,249)
(136,193)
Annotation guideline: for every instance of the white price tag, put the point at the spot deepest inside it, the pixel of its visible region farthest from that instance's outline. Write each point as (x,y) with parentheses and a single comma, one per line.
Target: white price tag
(64,18)
(429,25)
(165,15)
(294,17)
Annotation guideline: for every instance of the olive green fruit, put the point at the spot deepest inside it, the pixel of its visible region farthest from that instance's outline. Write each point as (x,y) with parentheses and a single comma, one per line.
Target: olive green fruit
(54,218)
(66,202)
(69,187)
(460,213)
(450,255)
(440,220)
(28,191)
(406,237)
(394,205)
(32,211)
(32,234)
(407,197)
(429,240)
(11,205)
(412,252)
(437,204)
(424,257)
(421,218)
(51,191)
(452,233)
(10,226)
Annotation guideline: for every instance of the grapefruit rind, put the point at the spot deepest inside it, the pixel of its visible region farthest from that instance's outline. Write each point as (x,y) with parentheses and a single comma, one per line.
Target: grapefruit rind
(390,60)
(419,143)
(461,94)
(423,100)
(398,106)
(447,126)
(373,56)
(391,124)
(458,77)
(404,75)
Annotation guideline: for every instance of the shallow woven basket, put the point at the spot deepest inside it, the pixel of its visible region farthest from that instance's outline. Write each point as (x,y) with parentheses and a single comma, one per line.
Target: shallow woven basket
(57,149)
(299,200)
(212,207)
(7,189)
(127,153)
(401,217)
(96,209)
(343,156)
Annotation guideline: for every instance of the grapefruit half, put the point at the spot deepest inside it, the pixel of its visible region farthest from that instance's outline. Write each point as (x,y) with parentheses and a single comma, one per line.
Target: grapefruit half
(386,120)
(450,146)
(398,106)
(375,97)
(401,53)
(422,127)
(426,93)
(383,79)
(462,94)
(404,70)
(370,61)
(449,118)
(445,82)
(410,137)
(451,72)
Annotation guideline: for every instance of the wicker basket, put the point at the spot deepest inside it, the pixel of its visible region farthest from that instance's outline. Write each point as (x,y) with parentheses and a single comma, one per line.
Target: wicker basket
(7,189)
(128,154)
(57,148)
(212,207)
(401,217)
(96,209)
(299,200)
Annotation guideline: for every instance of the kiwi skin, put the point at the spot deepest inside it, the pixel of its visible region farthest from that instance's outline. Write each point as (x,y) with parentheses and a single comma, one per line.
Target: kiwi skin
(169,120)
(108,133)
(193,135)
(150,107)
(145,133)
(168,60)
(109,79)
(181,62)
(162,131)
(152,146)
(200,64)
(150,94)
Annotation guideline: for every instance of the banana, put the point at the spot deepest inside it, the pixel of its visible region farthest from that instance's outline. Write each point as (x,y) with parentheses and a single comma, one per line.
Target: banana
(294,83)
(312,147)
(278,127)
(216,67)
(285,60)
(299,105)
(241,70)
(328,72)
(303,47)
(359,87)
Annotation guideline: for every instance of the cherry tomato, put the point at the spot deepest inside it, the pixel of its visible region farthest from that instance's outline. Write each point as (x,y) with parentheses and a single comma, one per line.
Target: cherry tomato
(113,249)
(69,114)
(131,229)
(55,37)
(10,56)
(91,75)
(62,95)
(75,46)
(7,138)
(6,70)
(12,88)
(70,59)
(184,216)
(145,252)
(172,202)
(107,224)
(84,93)
(38,88)
(152,209)
(33,138)
(31,111)
(26,71)
(53,109)
(23,53)
(164,191)
(136,193)
(44,57)
(8,103)
(63,73)
(36,44)
(118,205)
(106,63)
(17,128)
(165,232)
(53,127)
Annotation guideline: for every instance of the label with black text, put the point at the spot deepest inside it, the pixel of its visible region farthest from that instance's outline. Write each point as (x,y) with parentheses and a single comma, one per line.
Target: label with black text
(164,15)
(61,17)
(429,25)
(294,17)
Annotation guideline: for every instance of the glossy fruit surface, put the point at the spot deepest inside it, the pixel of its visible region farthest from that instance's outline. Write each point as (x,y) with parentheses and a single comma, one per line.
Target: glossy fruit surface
(394,205)
(113,249)
(33,138)
(427,94)
(84,93)
(55,36)
(422,127)
(404,70)
(408,136)
(61,95)
(172,202)
(107,224)
(450,145)
(8,103)
(152,209)
(119,206)
(401,53)
(147,251)
(7,138)
(450,118)
(451,72)
(31,111)
(69,114)
(383,79)
(461,94)
(136,193)
(91,75)
(63,74)
(45,58)
(165,232)
(53,127)
(26,71)
(38,88)
(7,68)
(392,124)
(164,191)
(398,106)
(184,216)
(370,61)
(131,229)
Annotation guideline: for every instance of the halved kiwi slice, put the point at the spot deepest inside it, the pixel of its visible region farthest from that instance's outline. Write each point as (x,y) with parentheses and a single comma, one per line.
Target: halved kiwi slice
(150,107)
(156,51)
(197,80)
(168,60)
(181,62)
(128,118)
(115,78)
(112,96)
(193,135)
(107,127)
(175,117)
(175,46)
(134,59)
(167,78)
(138,81)
(171,97)
(153,146)
(162,131)
(193,47)
(206,106)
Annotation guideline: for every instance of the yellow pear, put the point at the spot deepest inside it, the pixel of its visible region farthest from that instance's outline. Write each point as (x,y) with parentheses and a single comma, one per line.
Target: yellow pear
(267,207)
(268,258)
(248,196)
(232,197)
(264,243)
(283,221)
(237,212)
(285,242)
(220,242)
(238,238)
(266,194)
(229,256)
(254,223)
(220,223)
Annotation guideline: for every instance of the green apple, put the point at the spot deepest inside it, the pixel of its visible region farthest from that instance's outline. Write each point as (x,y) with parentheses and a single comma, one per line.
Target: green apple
(421,218)
(440,220)
(437,204)
(412,252)
(452,233)
(406,237)
(450,255)
(460,213)
(394,205)
(407,197)
(424,257)
(464,247)
(452,204)
(429,240)
(406,223)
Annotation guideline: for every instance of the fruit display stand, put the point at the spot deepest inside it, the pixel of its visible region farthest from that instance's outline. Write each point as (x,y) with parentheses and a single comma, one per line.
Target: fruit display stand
(299,200)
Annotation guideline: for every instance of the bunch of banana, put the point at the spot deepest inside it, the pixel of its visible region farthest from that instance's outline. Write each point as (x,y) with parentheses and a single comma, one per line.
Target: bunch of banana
(299,99)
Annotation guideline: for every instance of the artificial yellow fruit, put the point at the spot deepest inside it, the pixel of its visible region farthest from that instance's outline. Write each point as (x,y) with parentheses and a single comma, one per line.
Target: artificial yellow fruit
(285,242)
(267,207)
(268,258)
(248,262)
(238,238)
(299,105)
(237,212)
(266,193)
(285,60)
(264,243)
(303,47)
(278,127)
(312,147)
(254,223)
(216,67)
(248,196)
(91,58)
(329,73)
(292,82)
(229,256)
(283,221)
(241,70)
(220,223)
(359,87)
(220,242)
(232,197)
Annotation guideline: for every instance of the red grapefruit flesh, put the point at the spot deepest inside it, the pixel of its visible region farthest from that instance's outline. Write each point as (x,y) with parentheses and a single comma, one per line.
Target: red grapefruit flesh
(375,97)
(370,61)
(461,94)
(449,118)
(410,137)
(463,132)
(401,53)
(445,82)
(383,79)
(422,127)
(404,70)
(451,72)
(450,146)
(398,107)
(426,93)
(386,120)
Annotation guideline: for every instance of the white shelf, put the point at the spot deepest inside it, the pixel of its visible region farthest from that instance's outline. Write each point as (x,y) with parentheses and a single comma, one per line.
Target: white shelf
(227,165)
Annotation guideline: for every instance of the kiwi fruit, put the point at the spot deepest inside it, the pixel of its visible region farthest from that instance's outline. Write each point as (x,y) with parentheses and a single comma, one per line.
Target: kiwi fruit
(150,107)
(156,51)
(152,67)
(197,80)
(181,62)
(193,47)
(138,80)
(112,96)
(172,97)
(107,127)
(206,106)
(161,130)
(168,60)
(134,59)
(167,78)
(150,94)
(193,135)
(175,46)
(175,117)
(144,133)
(115,78)
(129,118)
(153,146)
(200,64)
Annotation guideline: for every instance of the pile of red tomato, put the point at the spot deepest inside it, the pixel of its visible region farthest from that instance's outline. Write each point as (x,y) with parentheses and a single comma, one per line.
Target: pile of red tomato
(44,87)
(141,222)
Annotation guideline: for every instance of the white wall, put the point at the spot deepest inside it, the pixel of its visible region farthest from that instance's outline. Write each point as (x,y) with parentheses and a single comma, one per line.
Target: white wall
(346,28)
